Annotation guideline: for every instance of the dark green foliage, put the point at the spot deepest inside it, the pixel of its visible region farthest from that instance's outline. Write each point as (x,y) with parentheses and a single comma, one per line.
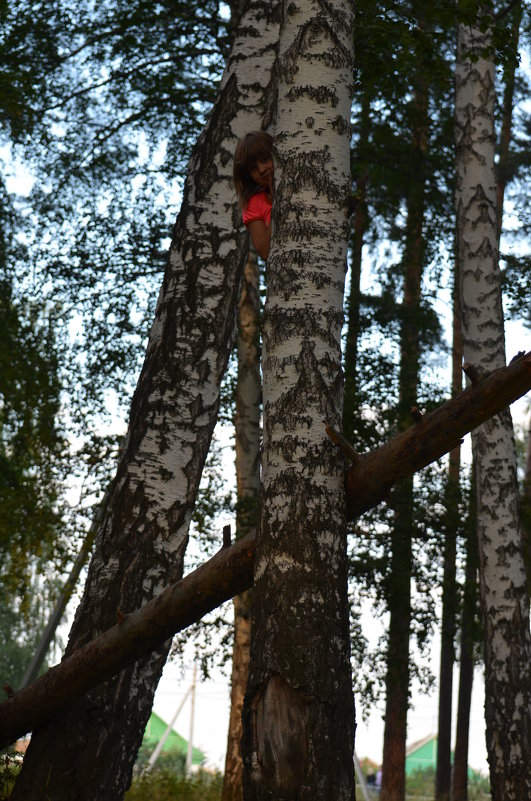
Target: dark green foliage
(33,455)
(9,769)
(173,762)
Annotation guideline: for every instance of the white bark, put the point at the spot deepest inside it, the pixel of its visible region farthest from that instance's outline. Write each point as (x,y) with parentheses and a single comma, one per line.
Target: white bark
(142,540)
(502,573)
(298,711)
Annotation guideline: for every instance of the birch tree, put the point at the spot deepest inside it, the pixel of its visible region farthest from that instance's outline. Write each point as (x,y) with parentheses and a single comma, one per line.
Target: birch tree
(503,592)
(298,716)
(142,539)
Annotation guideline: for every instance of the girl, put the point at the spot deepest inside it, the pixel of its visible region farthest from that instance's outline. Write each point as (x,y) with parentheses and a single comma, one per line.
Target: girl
(253,181)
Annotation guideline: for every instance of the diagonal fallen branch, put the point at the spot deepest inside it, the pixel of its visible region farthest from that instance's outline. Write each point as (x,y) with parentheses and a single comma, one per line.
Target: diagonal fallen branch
(371,476)
(230,571)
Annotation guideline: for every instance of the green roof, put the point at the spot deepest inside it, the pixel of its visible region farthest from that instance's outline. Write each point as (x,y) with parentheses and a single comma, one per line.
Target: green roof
(422,754)
(174,742)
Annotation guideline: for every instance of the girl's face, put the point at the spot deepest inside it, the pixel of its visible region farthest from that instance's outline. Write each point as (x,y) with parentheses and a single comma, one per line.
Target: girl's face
(262,172)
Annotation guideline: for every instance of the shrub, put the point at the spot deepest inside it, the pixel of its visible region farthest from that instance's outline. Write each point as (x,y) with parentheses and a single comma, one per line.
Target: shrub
(161,784)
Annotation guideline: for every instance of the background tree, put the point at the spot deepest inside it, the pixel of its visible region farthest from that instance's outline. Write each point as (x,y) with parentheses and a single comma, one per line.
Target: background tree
(144,532)
(503,591)
(247,460)
(298,718)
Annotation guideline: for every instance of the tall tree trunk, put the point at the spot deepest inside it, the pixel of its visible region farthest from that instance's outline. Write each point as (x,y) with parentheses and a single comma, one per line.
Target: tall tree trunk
(503,171)
(247,433)
(88,751)
(298,718)
(466,672)
(503,592)
(399,581)
(526,510)
(443,774)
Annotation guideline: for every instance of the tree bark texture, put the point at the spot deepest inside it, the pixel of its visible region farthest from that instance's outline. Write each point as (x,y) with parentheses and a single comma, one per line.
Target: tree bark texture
(443,773)
(526,510)
(298,717)
(141,542)
(212,583)
(398,586)
(503,591)
(468,640)
(247,445)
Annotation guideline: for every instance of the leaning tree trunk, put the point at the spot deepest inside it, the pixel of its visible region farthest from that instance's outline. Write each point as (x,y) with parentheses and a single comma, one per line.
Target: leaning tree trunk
(247,445)
(503,591)
(399,582)
(88,751)
(298,717)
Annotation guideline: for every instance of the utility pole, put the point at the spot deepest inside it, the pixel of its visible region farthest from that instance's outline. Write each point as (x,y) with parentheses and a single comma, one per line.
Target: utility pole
(192,712)
(160,745)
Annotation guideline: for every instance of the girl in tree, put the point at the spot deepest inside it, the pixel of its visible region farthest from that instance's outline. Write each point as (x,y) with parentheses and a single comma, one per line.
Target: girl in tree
(253,181)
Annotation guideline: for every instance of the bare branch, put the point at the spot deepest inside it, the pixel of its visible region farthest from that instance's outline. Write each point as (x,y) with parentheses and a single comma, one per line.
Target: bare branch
(369,480)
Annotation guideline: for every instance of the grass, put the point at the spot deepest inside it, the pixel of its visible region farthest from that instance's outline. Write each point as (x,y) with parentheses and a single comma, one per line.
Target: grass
(164,785)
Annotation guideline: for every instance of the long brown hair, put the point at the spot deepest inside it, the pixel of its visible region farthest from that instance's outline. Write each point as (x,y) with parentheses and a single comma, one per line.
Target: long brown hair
(252,147)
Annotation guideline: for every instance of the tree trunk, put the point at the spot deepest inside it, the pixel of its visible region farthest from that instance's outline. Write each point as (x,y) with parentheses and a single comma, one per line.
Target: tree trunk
(503,593)
(466,672)
(298,718)
(140,545)
(443,774)
(526,510)
(503,169)
(399,581)
(247,433)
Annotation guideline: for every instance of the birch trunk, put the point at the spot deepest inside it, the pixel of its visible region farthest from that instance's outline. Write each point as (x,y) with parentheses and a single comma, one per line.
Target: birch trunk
(526,510)
(247,445)
(503,592)
(89,750)
(298,717)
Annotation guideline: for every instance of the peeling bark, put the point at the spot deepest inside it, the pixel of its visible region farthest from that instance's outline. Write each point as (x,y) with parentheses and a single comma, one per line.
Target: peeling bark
(298,718)
(503,592)
(247,445)
(140,545)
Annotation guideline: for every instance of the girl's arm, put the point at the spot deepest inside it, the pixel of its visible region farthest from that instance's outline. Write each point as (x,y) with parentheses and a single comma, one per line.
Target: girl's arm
(260,236)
